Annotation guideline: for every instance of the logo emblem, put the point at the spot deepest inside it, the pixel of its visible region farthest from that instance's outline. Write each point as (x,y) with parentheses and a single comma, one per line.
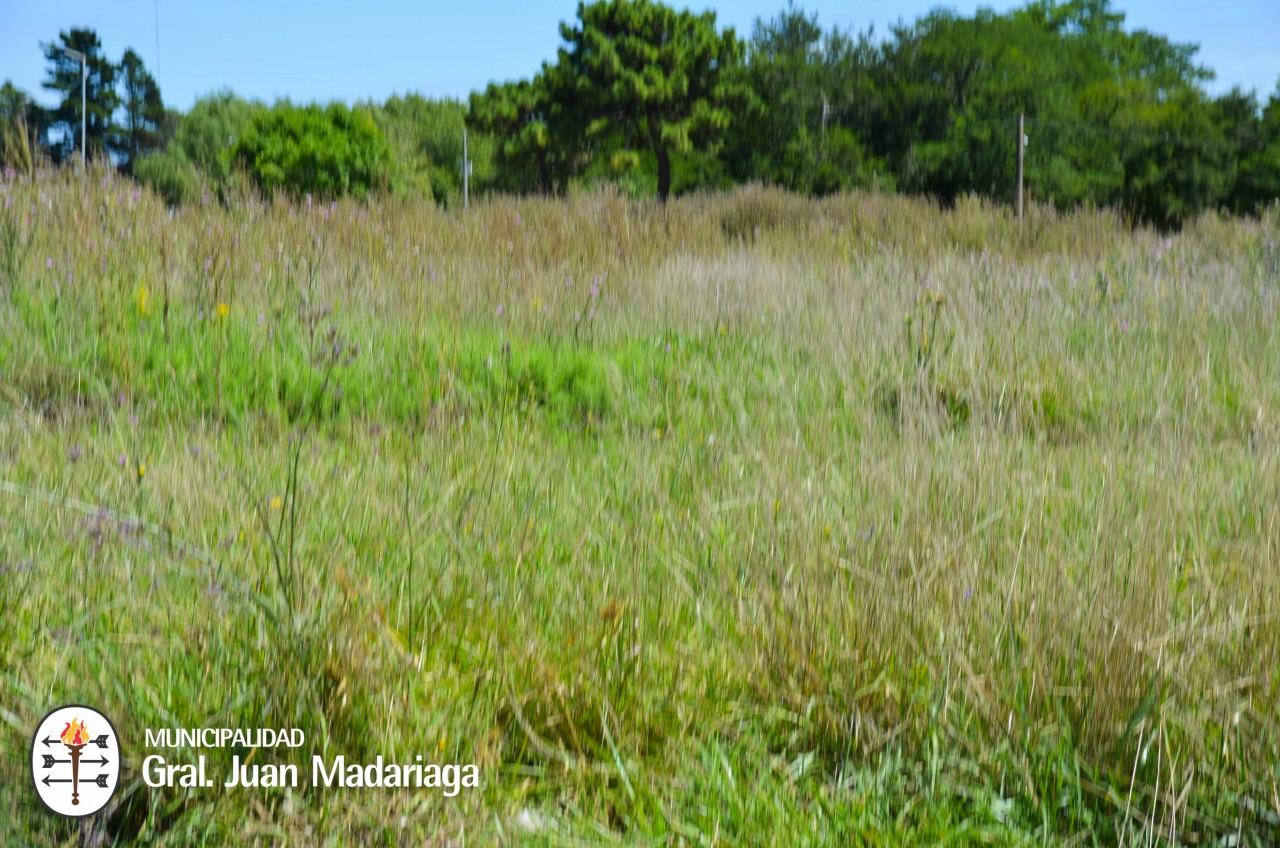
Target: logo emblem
(75,760)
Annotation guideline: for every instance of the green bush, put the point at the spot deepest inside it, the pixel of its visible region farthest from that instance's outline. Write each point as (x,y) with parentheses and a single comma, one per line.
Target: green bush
(426,139)
(211,129)
(169,174)
(326,151)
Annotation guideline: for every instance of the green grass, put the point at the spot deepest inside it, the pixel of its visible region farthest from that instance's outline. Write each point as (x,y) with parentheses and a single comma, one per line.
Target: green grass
(725,552)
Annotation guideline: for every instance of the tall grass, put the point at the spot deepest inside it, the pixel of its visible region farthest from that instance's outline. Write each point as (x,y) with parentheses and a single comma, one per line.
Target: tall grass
(749,518)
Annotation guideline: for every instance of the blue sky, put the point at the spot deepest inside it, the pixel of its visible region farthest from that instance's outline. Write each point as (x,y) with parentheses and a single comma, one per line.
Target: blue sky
(326,50)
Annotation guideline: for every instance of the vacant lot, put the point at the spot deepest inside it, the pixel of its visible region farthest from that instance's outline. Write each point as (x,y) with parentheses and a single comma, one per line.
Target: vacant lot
(748,520)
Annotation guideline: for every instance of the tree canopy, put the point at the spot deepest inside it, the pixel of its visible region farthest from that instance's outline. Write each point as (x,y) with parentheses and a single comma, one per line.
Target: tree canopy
(659,101)
(326,151)
(144,115)
(100,95)
(648,78)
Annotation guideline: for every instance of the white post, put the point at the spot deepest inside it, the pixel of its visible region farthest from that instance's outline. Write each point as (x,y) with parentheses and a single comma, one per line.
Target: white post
(1022,143)
(466,172)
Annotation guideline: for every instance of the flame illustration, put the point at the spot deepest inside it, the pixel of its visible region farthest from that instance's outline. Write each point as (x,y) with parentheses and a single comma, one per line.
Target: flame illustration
(75,733)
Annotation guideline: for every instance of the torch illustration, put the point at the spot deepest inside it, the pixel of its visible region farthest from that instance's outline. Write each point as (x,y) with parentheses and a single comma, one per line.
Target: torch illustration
(75,736)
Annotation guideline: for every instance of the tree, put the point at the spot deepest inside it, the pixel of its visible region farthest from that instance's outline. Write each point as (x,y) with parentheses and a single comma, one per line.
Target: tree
(426,139)
(1258,182)
(520,115)
(207,134)
(144,111)
(650,77)
(326,151)
(100,93)
(809,88)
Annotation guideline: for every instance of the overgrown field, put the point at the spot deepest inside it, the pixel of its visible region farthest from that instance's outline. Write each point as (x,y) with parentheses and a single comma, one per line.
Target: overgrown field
(747,520)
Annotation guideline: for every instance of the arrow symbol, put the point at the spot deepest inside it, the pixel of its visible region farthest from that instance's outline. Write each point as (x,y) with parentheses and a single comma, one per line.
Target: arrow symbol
(99,781)
(101,761)
(49,761)
(101,741)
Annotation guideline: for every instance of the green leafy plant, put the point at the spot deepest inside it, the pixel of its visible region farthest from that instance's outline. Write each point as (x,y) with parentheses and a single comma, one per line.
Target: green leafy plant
(326,151)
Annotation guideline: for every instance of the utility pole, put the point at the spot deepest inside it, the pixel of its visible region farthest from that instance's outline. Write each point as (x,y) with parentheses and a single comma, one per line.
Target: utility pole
(466,172)
(84,110)
(1022,146)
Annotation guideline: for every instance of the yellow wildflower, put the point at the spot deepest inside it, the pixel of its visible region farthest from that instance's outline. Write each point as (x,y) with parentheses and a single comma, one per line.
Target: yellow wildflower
(144,308)
(223,310)
(276,503)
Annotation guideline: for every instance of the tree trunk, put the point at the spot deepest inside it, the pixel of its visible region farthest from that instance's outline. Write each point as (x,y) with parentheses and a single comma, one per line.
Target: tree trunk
(664,174)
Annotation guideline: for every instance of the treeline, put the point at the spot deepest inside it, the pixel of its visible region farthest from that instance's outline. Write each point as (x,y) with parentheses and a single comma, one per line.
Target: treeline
(659,101)
(119,113)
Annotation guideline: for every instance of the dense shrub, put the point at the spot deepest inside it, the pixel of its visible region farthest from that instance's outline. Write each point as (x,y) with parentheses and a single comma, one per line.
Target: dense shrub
(325,151)
(210,130)
(425,137)
(169,174)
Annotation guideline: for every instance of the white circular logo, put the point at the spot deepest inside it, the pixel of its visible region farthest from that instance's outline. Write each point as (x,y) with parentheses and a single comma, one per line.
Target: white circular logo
(75,760)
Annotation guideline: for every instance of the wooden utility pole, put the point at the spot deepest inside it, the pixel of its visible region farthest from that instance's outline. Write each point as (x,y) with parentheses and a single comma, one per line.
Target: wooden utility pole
(1022,144)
